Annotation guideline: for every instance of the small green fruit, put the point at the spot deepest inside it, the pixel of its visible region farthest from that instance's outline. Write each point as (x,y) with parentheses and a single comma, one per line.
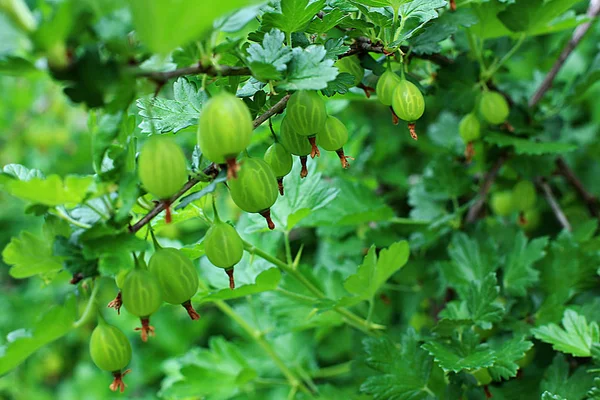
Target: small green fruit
(306,112)
(110,351)
(225,128)
(280,161)
(295,144)
(333,137)
(502,203)
(161,167)
(524,196)
(469,128)
(141,297)
(493,107)
(176,276)
(224,247)
(408,104)
(386,85)
(351,65)
(255,190)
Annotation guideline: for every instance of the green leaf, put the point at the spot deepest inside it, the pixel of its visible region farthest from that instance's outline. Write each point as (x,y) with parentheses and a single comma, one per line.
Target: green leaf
(481,302)
(166,24)
(309,69)
(265,281)
(375,271)
(30,255)
(53,324)
(220,371)
(335,48)
(341,84)
(575,338)
(439,30)
(508,353)
(164,115)
(455,355)
(558,383)
(328,22)
(533,15)
(528,146)
(269,60)
(53,190)
(519,274)
(404,371)
(294,16)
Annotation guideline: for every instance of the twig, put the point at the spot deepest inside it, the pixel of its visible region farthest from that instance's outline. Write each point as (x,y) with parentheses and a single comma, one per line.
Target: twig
(212,170)
(221,70)
(364,45)
(558,212)
(592,12)
(488,180)
(590,200)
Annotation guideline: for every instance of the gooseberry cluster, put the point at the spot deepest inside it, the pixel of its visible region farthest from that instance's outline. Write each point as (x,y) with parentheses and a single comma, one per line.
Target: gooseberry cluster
(520,199)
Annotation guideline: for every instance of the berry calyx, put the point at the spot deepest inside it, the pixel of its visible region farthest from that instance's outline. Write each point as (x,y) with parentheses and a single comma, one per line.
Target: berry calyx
(162,169)
(333,137)
(176,276)
(224,130)
(387,83)
(142,297)
(493,107)
(224,247)
(408,104)
(280,161)
(256,189)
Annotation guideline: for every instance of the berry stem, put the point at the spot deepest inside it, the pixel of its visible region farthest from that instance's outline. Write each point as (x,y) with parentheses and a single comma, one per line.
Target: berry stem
(280,184)
(304,171)
(267,215)
(343,158)
(229,273)
(232,168)
(168,218)
(146,329)
(453,5)
(367,89)
(412,130)
(469,152)
(315,150)
(395,118)
(190,310)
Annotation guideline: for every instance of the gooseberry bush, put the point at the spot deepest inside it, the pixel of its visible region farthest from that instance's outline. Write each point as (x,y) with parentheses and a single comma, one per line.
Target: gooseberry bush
(298,199)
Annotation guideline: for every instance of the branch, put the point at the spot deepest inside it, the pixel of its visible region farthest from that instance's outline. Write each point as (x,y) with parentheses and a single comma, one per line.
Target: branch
(590,200)
(558,212)
(220,70)
(488,180)
(364,45)
(592,12)
(212,170)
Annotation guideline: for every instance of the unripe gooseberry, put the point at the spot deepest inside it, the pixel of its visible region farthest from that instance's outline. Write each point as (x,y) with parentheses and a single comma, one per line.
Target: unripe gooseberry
(141,297)
(176,276)
(306,113)
(502,203)
(333,137)
(386,85)
(529,220)
(524,196)
(351,65)
(493,107)
(280,161)
(255,190)
(224,130)
(111,351)
(295,144)
(224,247)
(408,104)
(469,128)
(162,168)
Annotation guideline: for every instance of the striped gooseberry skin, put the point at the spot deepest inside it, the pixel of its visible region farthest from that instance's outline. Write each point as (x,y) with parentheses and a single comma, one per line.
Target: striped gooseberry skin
(306,112)
(493,107)
(295,143)
(333,136)
(351,65)
(109,348)
(141,293)
(255,190)
(386,85)
(224,128)
(176,275)
(524,195)
(161,167)
(407,101)
(279,159)
(469,128)
(223,245)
